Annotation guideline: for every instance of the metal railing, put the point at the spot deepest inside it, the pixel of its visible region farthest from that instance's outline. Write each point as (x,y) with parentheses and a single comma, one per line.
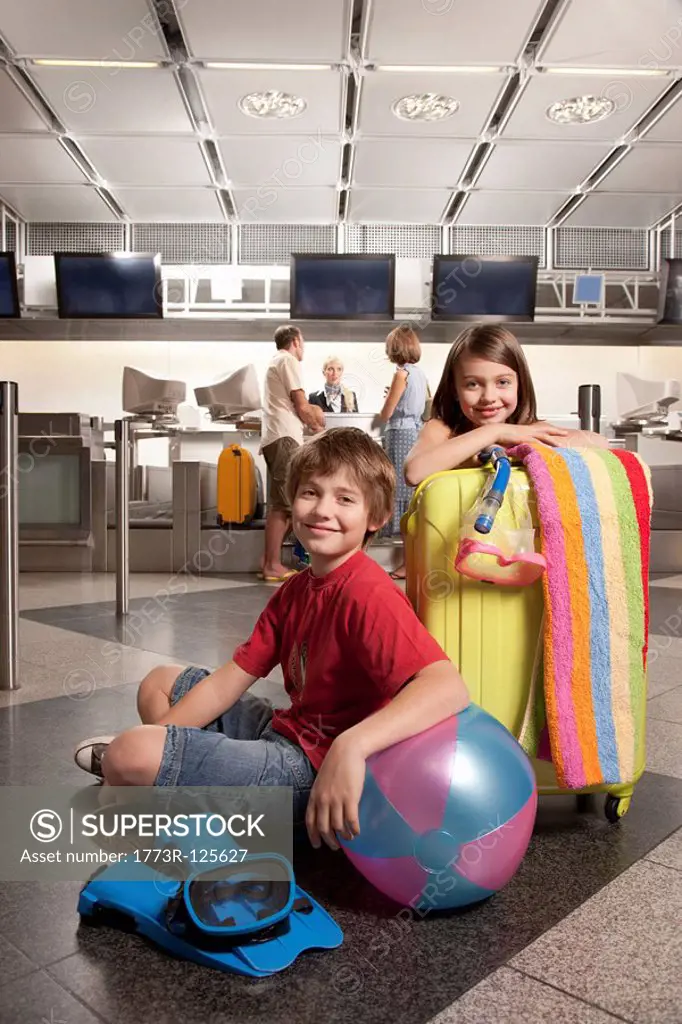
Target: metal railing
(9,535)
(127,432)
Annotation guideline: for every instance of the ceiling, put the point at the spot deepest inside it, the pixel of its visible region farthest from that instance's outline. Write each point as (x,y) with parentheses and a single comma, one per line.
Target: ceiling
(169,143)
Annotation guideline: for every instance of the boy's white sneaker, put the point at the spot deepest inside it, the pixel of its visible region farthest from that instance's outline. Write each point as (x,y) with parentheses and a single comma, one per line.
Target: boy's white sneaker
(88,754)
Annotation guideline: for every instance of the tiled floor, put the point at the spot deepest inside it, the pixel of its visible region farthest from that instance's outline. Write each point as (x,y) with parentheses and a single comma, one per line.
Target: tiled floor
(587,931)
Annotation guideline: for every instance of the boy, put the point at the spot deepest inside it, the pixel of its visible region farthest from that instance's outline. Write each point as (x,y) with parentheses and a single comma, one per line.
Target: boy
(360,669)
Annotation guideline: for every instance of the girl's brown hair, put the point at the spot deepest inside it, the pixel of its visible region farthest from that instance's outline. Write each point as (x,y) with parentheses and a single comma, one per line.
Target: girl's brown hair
(402,346)
(498,345)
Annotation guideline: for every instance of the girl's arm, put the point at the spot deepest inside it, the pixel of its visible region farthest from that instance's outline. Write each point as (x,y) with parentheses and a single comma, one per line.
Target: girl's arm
(436,450)
(395,392)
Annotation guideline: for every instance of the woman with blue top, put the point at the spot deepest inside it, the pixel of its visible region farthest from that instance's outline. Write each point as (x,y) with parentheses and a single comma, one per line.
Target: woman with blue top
(402,413)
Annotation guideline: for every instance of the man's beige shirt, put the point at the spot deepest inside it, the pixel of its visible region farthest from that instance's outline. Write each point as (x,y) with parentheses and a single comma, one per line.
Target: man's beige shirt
(279,417)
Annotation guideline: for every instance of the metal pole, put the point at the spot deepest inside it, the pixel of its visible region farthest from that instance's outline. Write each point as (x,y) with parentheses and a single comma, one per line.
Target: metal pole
(549,248)
(589,407)
(122,438)
(9,535)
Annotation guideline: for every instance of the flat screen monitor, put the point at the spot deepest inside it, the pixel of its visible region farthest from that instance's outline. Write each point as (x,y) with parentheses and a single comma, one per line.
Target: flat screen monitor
(484,288)
(108,285)
(356,287)
(588,289)
(9,292)
(670,292)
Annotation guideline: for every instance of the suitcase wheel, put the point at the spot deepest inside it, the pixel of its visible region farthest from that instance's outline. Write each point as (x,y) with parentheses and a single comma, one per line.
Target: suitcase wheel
(615,807)
(219,520)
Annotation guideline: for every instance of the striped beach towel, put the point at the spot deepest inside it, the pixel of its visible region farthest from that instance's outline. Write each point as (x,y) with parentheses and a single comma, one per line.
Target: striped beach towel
(594,511)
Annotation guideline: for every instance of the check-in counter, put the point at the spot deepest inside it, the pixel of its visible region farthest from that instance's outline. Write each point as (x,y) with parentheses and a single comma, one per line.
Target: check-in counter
(56,455)
(361,420)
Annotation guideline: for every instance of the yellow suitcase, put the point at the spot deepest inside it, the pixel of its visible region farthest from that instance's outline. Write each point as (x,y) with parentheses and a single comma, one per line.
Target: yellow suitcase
(490,632)
(237,487)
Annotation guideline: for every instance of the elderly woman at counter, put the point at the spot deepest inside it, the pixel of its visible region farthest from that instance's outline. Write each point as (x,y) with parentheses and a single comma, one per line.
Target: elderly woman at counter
(334,397)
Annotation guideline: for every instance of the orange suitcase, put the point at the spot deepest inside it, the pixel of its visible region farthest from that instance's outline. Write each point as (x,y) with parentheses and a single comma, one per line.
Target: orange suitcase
(237,489)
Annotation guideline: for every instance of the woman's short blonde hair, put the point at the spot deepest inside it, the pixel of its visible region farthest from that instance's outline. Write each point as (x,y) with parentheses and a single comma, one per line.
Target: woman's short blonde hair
(332,359)
(402,345)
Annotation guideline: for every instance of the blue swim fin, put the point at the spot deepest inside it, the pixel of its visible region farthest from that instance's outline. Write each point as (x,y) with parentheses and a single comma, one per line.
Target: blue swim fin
(229,919)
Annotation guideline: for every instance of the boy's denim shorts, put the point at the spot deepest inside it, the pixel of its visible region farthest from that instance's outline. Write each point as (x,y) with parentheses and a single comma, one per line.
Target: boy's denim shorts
(239,749)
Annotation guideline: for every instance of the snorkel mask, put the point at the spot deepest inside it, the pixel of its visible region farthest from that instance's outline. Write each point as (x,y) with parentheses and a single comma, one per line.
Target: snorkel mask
(507,556)
(225,906)
(245,918)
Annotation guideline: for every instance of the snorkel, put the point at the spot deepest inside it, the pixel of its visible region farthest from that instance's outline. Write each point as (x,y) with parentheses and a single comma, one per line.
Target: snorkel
(490,502)
(508,557)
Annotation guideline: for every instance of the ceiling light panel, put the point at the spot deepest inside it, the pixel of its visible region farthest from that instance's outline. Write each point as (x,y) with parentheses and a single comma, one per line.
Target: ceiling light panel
(320,90)
(448,32)
(107,101)
(272,104)
(608,72)
(425,106)
(581,110)
(80,29)
(442,69)
(635,34)
(228,65)
(123,65)
(306,31)
(476,96)
(631,98)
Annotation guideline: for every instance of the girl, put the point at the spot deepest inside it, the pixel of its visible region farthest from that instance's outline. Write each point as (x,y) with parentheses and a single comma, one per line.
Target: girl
(403,411)
(485,397)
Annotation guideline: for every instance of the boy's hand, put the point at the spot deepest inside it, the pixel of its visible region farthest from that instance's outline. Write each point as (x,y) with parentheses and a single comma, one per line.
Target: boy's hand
(335,796)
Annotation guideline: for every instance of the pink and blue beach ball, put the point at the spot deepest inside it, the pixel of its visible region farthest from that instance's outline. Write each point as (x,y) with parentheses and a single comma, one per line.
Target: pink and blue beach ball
(446,816)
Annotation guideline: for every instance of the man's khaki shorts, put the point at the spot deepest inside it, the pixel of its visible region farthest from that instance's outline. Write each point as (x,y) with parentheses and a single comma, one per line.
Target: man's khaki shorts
(277,457)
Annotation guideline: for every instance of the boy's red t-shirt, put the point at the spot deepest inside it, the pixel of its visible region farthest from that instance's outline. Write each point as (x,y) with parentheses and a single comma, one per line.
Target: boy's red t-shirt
(347,642)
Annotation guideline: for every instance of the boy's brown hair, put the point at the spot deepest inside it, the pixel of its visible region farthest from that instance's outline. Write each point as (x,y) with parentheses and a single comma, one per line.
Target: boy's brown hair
(352,449)
(402,345)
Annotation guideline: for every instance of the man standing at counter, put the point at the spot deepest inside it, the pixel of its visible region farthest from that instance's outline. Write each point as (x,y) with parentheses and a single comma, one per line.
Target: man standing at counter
(285,413)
